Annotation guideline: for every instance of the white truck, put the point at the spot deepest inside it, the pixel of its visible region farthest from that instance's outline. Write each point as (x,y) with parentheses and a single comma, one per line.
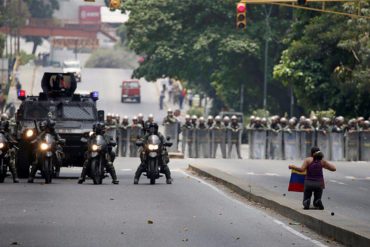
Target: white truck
(73,66)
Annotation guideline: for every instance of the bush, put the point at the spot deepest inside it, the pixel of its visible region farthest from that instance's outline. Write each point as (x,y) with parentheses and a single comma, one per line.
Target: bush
(25,58)
(330,113)
(198,111)
(117,57)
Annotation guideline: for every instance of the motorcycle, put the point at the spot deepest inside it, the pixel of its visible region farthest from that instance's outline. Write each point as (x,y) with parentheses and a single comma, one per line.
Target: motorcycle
(98,157)
(4,156)
(47,149)
(153,149)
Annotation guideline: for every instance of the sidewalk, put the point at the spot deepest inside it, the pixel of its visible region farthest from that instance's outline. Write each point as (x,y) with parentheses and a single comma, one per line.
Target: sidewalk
(342,229)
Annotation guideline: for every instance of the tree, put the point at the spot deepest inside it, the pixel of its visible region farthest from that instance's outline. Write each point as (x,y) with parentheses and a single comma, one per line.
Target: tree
(42,9)
(328,66)
(196,41)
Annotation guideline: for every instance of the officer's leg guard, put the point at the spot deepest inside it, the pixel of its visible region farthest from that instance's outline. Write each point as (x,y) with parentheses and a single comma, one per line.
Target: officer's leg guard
(33,171)
(112,172)
(138,172)
(165,168)
(13,170)
(238,151)
(84,172)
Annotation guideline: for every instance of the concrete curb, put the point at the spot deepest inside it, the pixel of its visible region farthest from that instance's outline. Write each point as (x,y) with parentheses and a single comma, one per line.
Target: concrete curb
(340,229)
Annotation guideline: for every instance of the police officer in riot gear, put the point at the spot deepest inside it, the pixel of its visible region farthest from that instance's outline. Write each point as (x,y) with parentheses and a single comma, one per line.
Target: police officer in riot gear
(252,121)
(194,120)
(226,121)
(275,126)
(218,126)
(148,122)
(123,138)
(140,120)
(325,125)
(170,118)
(315,122)
(4,128)
(210,122)
(99,129)
(258,124)
(47,126)
(338,125)
(283,122)
(153,130)
(235,128)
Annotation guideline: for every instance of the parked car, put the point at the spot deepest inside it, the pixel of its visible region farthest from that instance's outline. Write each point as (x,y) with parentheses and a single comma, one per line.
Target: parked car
(130,91)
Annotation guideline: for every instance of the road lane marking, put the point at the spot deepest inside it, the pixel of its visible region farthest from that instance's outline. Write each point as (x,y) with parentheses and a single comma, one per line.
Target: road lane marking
(337,182)
(126,170)
(270,174)
(291,230)
(350,177)
(298,233)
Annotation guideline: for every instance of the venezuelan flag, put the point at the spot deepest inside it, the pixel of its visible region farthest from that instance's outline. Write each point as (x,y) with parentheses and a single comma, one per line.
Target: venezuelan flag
(296,182)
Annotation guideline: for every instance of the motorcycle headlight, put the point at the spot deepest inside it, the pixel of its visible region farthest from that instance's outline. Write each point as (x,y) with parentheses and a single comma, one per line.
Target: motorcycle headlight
(44,146)
(1,145)
(152,147)
(29,133)
(95,147)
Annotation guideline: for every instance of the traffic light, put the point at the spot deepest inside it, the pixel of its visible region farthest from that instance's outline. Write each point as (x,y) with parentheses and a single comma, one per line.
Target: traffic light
(114,4)
(241,16)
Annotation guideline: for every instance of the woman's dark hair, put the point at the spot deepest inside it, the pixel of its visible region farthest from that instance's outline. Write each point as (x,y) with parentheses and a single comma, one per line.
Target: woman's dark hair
(316,153)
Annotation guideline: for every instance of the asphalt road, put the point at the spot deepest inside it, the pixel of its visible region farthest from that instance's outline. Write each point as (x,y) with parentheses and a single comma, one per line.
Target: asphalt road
(186,213)
(190,212)
(345,193)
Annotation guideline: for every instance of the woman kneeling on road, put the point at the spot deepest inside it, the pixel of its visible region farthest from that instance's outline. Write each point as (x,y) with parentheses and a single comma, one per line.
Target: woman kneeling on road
(314,180)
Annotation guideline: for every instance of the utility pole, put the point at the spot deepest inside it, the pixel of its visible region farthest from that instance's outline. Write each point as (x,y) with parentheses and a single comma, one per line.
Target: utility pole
(267,40)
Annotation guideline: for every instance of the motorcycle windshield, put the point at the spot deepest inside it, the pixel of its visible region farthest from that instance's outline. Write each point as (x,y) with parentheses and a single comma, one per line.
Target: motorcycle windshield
(154,139)
(99,140)
(49,139)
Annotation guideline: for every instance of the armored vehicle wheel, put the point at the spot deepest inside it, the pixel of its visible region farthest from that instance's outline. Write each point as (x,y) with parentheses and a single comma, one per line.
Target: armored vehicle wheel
(23,160)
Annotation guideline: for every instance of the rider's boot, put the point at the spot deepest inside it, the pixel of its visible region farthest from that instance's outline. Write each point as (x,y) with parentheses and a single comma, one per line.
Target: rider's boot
(113,174)
(138,172)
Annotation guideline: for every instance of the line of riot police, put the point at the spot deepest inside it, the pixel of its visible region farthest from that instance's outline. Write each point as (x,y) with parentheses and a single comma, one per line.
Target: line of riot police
(195,138)
(280,138)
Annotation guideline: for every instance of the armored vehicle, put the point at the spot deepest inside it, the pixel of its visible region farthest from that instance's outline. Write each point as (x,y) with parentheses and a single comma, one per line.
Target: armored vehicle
(73,113)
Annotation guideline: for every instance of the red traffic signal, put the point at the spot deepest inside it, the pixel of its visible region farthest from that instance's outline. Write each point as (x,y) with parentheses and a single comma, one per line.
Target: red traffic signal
(241,8)
(241,16)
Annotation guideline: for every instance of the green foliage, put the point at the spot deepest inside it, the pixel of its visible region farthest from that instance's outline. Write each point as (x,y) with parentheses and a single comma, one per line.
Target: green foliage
(196,41)
(25,58)
(117,57)
(198,111)
(328,65)
(330,113)
(261,113)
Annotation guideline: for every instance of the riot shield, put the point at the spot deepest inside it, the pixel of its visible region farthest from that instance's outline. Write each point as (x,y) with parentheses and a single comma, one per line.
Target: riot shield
(188,142)
(365,145)
(218,139)
(352,146)
(234,140)
(336,146)
(250,143)
(203,143)
(123,141)
(274,145)
(291,145)
(171,130)
(259,141)
(134,133)
(306,142)
(323,142)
